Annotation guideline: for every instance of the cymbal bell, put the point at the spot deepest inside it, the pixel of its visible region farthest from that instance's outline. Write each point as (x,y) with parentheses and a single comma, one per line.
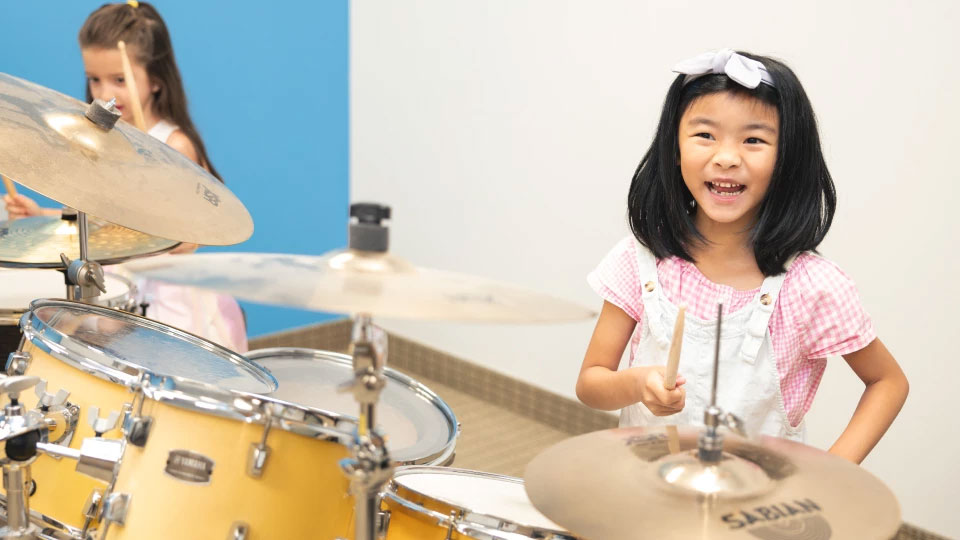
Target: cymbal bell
(626,483)
(37,242)
(354,281)
(121,175)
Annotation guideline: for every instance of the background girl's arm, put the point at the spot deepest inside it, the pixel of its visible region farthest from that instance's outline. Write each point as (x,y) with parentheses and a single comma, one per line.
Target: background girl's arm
(886,390)
(20,206)
(601,386)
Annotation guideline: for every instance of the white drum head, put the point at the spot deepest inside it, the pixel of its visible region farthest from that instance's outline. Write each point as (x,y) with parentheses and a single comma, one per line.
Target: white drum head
(477,494)
(419,426)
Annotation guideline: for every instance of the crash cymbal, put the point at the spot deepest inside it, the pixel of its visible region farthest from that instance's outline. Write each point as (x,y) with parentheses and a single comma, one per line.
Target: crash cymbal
(121,175)
(37,242)
(625,483)
(352,281)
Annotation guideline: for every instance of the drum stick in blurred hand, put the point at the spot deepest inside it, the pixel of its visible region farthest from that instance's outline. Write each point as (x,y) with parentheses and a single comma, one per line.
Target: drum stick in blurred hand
(11,188)
(131,87)
(673,359)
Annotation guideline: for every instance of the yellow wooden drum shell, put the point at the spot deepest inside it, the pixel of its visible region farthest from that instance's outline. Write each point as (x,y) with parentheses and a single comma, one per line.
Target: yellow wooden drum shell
(61,491)
(301,494)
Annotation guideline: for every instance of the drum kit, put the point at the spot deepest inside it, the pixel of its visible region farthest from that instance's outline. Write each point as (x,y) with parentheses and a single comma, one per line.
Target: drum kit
(141,430)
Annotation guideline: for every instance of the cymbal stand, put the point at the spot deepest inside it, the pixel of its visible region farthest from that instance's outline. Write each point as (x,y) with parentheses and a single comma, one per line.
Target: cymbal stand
(370,466)
(84,278)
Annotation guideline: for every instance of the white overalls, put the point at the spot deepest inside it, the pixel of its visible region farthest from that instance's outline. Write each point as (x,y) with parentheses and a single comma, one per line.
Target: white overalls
(748,384)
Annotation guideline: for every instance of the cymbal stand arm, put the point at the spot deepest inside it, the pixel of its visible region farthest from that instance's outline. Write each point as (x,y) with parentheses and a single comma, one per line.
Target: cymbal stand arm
(711,441)
(370,466)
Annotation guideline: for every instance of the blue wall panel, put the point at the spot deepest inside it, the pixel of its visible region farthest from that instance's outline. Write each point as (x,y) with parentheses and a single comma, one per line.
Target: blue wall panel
(268,90)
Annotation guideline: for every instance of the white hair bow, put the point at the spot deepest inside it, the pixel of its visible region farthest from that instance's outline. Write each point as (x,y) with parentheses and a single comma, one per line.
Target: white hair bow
(746,71)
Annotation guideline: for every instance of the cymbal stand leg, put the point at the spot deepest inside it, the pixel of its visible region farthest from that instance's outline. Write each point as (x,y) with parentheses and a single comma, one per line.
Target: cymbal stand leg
(370,466)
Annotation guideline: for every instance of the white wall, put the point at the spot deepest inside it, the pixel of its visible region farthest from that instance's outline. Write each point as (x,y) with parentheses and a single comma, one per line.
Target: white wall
(504,134)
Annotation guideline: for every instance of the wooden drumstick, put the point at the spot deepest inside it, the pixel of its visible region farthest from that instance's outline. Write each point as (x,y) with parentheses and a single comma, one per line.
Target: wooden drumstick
(673,439)
(673,359)
(131,87)
(11,187)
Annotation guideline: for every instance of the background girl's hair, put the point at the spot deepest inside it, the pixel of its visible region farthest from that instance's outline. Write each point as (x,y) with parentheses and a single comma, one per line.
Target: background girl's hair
(144,29)
(798,208)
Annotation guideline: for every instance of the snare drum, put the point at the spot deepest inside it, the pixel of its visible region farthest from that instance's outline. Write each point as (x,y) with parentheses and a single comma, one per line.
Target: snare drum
(420,427)
(427,503)
(19,287)
(217,457)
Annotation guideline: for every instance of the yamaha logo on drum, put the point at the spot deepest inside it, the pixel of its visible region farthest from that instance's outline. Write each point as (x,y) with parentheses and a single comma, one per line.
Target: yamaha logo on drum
(779,521)
(189,466)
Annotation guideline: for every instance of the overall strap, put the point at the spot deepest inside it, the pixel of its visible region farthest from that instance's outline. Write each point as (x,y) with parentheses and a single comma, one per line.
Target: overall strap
(763,305)
(649,283)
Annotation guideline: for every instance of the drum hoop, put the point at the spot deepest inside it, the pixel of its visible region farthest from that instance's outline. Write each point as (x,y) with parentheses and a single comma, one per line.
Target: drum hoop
(243,406)
(463,525)
(442,456)
(121,371)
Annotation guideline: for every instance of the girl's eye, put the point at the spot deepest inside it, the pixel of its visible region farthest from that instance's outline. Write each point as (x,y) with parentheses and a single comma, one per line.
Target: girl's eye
(93,79)
(755,140)
(119,80)
(704,136)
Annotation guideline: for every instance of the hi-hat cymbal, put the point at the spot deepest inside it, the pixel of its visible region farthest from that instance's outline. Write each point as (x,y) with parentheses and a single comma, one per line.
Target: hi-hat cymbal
(37,242)
(122,175)
(625,483)
(352,281)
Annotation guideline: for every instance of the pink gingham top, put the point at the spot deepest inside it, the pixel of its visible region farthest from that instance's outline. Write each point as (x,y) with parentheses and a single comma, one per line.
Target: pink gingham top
(818,312)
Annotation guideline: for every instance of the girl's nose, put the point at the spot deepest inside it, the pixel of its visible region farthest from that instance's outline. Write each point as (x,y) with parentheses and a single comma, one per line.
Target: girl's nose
(726,158)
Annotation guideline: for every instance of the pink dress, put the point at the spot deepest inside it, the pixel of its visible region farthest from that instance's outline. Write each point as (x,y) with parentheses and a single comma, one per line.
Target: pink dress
(817,313)
(212,316)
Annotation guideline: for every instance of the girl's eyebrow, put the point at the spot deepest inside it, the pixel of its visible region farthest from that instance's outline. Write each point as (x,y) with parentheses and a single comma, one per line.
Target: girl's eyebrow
(761,126)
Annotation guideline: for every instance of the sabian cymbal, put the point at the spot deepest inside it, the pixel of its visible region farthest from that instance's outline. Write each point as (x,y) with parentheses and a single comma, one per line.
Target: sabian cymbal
(37,242)
(352,281)
(123,175)
(625,483)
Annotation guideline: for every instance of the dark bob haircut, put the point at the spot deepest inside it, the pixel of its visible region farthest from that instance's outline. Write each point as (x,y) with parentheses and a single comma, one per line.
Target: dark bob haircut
(798,208)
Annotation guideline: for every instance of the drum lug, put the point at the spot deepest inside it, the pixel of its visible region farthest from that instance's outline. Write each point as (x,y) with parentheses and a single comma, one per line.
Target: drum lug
(239,531)
(18,362)
(136,426)
(259,452)
(115,507)
(452,524)
(383,523)
(92,508)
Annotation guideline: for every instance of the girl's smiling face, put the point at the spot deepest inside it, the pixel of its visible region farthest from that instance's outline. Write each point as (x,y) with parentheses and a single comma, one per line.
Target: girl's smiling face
(104,69)
(728,149)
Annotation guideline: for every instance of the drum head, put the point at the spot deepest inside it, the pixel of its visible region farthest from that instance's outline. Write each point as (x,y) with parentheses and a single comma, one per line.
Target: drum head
(121,347)
(419,426)
(19,287)
(478,495)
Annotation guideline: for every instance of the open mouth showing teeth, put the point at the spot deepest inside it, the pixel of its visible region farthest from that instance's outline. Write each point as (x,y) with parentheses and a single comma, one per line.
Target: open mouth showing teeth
(725,188)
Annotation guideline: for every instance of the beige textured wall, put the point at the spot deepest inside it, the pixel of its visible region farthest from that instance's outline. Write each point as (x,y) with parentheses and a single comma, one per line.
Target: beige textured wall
(504,134)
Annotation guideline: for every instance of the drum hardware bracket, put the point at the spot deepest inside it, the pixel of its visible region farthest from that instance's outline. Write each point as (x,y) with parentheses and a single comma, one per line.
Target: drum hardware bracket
(238,531)
(452,523)
(97,457)
(102,425)
(383,523)
(84,278)
(20,431)
(69,415)
(115,507)
(136,427)
(92,508)
(18,362)
(259,452)
(47,400)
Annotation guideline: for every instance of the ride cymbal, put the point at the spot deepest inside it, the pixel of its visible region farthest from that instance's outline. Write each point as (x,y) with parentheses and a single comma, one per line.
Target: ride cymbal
(354,281)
